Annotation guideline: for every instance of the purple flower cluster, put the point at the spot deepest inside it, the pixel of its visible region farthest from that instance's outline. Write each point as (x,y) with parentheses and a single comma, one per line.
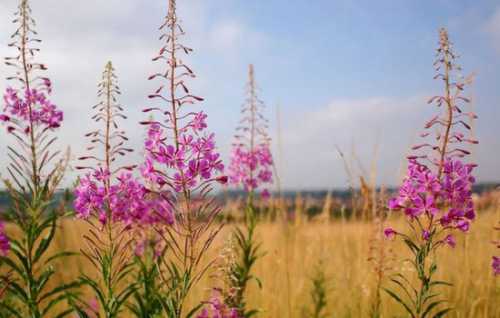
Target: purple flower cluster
(495,261)
(43,111)
(445,202)
(4,241)
(251,158)
(251,168)
(495,264)
(216,308)
(191,161)
(126,201)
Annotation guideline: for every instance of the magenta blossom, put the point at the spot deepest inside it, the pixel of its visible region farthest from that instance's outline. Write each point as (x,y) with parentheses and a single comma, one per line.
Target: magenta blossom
(495,264)
(17,109)
(251,168)
(191,163)
(450,240)
(446,202)
(251,159)
(124,201)
(216,308)
(389,233)
(4,241)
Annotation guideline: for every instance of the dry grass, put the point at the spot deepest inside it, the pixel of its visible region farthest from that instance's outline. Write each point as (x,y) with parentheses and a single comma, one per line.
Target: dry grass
(343,246)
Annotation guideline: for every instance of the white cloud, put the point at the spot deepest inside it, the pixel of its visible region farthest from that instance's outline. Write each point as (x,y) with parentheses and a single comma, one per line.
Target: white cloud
(310,138)
(233,36)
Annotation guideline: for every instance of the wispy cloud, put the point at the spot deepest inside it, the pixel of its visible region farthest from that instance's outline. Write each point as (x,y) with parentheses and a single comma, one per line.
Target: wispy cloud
(310,138)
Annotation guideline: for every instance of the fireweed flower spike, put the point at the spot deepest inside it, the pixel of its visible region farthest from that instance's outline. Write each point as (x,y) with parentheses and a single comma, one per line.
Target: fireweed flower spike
(223,290)
(495,261)
(181,167)
(251,168)
(436,195)
(110,200)
(251,159)
(35,171)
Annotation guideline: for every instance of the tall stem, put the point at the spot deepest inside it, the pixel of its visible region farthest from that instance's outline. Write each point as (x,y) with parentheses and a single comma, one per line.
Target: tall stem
(107,145)
(449,108)
(253,113)
(188,261)
(32,294)
(26,71)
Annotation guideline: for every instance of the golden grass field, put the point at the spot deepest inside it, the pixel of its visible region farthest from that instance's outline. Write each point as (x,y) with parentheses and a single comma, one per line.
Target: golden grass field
(293,251)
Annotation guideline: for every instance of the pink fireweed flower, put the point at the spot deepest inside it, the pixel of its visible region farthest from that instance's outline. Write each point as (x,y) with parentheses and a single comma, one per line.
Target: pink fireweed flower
(447,202)
(250,168)
(190,164)
(450,240)
(216,308)
(109,193)
(17,109)
(28,113)
(251,160)
(436,194)
(4,241)
(495,264)
(123,201)
(437,190)
(181,164)
(389,233)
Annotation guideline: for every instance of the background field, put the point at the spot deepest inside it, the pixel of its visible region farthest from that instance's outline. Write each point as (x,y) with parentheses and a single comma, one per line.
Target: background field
(294,250)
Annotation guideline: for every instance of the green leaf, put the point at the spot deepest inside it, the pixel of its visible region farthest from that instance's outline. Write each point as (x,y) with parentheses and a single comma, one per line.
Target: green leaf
(193,311)
(404,289)
(44,244)
(442,313)
(44,278)
(251,313)
(431,306)
(65,313)
(414,248)
(17,291)
(438,282)
(60,255)
(60,289)
(54,302)
(396,297)
(13,266)
(11,310)
(259,282)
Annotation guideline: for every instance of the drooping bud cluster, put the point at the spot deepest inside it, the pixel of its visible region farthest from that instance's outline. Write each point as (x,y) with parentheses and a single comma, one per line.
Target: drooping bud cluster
(438,185)
(251,159)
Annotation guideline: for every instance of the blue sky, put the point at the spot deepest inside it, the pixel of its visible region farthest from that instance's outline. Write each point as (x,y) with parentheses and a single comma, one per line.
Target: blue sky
(355,74)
